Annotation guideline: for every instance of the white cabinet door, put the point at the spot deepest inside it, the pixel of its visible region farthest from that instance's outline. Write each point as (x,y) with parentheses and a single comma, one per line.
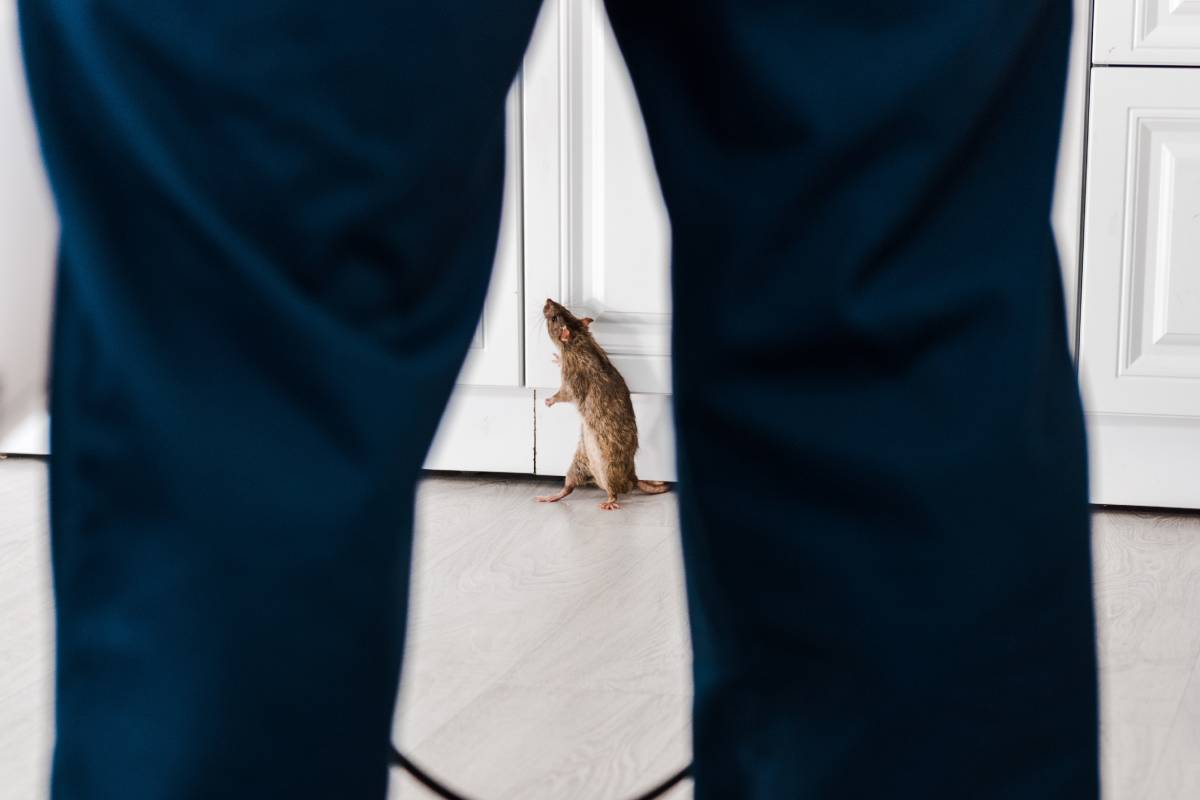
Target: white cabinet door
(488,423)
(1140,321)
(28,232)
(596,232)
(597,237)
(1147,32)
(495,357)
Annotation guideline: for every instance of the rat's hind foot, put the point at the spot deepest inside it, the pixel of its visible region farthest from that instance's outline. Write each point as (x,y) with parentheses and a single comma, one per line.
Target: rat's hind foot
(610,505)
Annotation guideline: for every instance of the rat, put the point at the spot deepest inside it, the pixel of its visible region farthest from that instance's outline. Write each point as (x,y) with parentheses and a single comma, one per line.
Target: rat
(609,437)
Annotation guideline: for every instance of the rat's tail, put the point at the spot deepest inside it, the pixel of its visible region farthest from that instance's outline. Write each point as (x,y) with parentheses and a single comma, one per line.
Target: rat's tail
(654,487)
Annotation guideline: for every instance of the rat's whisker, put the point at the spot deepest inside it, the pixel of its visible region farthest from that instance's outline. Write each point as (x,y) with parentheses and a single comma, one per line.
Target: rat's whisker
(535,317)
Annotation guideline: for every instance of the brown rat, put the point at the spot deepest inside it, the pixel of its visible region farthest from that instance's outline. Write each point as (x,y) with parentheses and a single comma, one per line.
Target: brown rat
(609,437)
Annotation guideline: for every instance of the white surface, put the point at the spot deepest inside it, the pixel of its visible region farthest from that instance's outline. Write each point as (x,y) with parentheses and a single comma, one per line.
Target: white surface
(30,437)
(1147,32)
(26,632)
(486,429)
(28,230)
(558,434)
(597,237)
(495,357)
(1140,325)
(1144,460)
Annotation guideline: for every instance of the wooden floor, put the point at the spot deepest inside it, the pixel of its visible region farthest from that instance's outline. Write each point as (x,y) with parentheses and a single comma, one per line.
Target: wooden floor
(548,646)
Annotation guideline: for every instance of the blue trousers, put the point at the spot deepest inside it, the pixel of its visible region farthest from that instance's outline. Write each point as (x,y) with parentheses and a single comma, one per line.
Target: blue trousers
(278,219)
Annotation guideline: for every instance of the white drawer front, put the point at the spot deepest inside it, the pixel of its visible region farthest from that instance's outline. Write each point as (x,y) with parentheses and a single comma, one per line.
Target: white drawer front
(1140,327)
(1147,32)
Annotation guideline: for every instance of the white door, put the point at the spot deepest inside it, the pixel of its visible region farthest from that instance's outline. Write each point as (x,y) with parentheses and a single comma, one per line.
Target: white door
(1140,319)
(597,237)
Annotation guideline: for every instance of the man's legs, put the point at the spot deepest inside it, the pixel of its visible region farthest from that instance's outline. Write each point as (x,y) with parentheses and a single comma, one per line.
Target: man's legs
(278,219)
(890,594)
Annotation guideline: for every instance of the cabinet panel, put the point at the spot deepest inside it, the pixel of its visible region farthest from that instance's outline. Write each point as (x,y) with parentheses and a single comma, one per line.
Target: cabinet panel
(596,232)
(1147,32)
(1140,322)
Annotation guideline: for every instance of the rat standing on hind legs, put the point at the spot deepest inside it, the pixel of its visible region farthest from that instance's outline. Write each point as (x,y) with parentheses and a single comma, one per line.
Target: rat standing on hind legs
(609,438)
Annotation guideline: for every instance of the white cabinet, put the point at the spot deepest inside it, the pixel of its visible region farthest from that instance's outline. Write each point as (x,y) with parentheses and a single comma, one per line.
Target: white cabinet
(597,237)
(584,223)
(1140,322)
(495,357)
(1139,325)
(596,232)
(594,236)
(28,231)
(488,423)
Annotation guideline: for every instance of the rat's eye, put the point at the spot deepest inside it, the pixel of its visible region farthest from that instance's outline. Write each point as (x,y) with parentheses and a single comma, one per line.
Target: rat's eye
(557,318)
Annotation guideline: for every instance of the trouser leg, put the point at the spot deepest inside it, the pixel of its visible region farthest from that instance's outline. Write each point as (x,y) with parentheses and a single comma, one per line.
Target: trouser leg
(882,461)
(278,219)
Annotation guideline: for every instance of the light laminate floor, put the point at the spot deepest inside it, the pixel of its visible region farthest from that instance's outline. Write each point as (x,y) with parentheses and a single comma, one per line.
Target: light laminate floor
(548,646)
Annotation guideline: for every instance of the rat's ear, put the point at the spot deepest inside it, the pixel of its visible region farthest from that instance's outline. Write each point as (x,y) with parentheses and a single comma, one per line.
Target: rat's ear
(565,335)
(587,321)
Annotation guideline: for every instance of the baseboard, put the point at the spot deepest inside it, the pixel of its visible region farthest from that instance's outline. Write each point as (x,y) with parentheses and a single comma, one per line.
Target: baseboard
(30,438)
(485,429)
(1144,461)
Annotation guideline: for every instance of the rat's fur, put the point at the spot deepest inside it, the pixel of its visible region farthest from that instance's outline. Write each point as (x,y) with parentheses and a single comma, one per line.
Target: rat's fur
(609,438)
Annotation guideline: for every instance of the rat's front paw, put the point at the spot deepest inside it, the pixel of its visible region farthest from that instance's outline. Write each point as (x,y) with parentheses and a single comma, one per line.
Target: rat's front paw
(556,359)
(550,401)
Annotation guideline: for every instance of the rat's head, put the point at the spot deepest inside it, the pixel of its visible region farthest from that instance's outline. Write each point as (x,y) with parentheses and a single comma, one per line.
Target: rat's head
(563,326)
